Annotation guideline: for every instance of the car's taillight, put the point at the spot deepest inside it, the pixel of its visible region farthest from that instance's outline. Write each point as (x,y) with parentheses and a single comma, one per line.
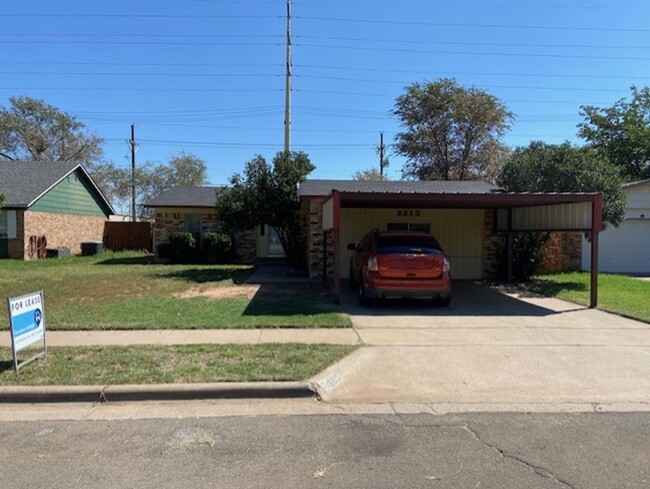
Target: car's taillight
(372,264)
(445,266)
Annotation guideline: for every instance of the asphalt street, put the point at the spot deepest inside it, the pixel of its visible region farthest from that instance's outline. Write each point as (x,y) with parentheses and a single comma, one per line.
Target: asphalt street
(478,451)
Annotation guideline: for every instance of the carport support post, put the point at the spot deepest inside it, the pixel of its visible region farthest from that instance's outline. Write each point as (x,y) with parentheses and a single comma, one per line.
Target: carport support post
(596,227)
(336,196)
(509,247)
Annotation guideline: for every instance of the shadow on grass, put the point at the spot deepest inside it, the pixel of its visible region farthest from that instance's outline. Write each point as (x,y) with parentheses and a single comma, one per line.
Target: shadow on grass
(131,260)
(548,288)
(290,300)
(6,365)
(204,275)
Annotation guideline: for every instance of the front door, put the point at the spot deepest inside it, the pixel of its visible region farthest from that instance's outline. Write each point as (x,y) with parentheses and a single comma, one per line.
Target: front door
(275,245)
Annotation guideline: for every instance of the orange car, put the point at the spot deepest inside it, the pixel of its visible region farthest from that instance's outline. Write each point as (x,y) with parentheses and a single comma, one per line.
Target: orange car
(390,264)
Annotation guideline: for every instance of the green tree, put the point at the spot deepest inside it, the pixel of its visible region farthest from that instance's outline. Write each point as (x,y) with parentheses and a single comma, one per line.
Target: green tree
(31,129)
(268,195)
(451,132)
(151,179)
(369,175)
(542,167)
(621,133)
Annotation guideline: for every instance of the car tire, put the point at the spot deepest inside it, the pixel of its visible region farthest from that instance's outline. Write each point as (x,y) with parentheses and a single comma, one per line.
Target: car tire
(353,283)
(444,302)
(363,299)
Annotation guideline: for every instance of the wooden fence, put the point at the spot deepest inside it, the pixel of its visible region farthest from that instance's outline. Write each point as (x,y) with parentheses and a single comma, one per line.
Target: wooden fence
(120,236)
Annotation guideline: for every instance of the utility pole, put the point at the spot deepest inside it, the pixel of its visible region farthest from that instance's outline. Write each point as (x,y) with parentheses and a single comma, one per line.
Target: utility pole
(287,88)
(382,161)
(132,144)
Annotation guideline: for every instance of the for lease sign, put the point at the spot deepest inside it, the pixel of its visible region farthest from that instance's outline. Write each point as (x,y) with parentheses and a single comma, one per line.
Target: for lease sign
(27,320)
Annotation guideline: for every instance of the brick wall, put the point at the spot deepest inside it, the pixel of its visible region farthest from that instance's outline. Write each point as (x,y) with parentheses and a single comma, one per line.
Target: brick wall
(315,239)
(61,230)
(166,223)
(493,243)
(245,242)
(562,252)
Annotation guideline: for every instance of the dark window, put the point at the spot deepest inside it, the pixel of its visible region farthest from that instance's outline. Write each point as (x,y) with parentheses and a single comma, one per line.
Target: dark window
(427,245)
(397,226)
(193,223)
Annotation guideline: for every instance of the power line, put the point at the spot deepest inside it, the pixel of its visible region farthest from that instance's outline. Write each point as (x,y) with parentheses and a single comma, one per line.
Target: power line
(139,16)
(474,53)
(472,26)
(453,43)
(145,89)
(365,94)
(401,82)
(127,73)
(527,6)
(144,43)
(137,63)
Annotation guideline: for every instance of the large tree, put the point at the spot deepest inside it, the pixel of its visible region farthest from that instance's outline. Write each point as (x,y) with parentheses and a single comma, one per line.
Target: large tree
(268,195)
(622,132)
(151,178)
(451,132)
(542,167)
(31,129)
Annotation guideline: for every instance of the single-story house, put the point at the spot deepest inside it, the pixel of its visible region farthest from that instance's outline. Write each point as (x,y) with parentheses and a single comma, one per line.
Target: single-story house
(472,220)
(52,204)
(193,209)
(626,249)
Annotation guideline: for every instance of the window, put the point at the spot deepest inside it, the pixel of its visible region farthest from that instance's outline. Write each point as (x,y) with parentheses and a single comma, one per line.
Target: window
(3,224)
(193,223)
(397,226)
(423,227)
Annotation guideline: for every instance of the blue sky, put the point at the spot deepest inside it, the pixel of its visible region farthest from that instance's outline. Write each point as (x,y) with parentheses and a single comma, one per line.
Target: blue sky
(207,76)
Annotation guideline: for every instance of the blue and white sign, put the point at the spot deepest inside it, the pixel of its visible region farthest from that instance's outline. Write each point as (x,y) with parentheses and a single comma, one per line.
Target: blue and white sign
(26,320)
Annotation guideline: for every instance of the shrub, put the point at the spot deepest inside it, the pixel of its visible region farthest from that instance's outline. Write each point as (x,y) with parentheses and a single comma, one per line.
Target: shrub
(165,251)
(526,257)
(217,247)
(182,247)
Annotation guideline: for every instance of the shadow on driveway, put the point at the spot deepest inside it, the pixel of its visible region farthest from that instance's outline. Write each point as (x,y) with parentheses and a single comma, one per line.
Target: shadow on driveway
(469,299)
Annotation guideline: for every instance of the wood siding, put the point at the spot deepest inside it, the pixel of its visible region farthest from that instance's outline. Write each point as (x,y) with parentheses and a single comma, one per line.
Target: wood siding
(459,231)
(73,195)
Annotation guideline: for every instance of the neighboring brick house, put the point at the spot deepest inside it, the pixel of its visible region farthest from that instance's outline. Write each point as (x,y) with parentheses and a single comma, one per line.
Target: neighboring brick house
(193,209)
(50,204)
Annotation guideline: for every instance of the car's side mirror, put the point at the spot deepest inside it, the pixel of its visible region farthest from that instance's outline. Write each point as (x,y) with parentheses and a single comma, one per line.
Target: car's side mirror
(352,247)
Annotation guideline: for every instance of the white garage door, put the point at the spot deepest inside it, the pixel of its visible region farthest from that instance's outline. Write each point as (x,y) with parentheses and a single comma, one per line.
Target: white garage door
(625,249)
(459,231)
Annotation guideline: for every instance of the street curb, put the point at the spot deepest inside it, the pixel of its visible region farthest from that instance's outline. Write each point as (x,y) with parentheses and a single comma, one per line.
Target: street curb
(160,392)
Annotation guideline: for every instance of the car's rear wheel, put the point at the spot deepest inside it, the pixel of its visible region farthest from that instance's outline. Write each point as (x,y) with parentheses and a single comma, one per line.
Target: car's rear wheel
(443,302)
(363,299)
(352,282)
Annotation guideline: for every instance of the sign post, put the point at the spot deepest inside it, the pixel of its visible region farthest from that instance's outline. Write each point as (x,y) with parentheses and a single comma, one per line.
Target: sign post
(27,325)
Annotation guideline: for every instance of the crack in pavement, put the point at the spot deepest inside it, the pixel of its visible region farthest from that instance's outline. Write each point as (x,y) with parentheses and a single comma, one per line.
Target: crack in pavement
(540,471)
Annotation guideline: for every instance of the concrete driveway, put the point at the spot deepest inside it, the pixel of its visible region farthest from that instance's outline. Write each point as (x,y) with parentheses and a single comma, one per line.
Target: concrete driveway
(493,351)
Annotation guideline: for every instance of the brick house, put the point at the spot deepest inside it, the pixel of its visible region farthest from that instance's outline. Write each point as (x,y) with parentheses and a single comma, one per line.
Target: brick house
(49,205)
(193,209)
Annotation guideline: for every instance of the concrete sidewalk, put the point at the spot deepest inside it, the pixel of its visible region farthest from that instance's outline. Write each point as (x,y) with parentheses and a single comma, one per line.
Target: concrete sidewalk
(332,336)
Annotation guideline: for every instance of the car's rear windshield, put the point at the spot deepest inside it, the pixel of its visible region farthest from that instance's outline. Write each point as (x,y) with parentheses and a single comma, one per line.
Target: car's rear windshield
(408,244)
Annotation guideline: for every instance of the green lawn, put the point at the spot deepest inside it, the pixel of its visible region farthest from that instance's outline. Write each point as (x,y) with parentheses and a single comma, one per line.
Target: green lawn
(616,293)
(128,291)
(173,364)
